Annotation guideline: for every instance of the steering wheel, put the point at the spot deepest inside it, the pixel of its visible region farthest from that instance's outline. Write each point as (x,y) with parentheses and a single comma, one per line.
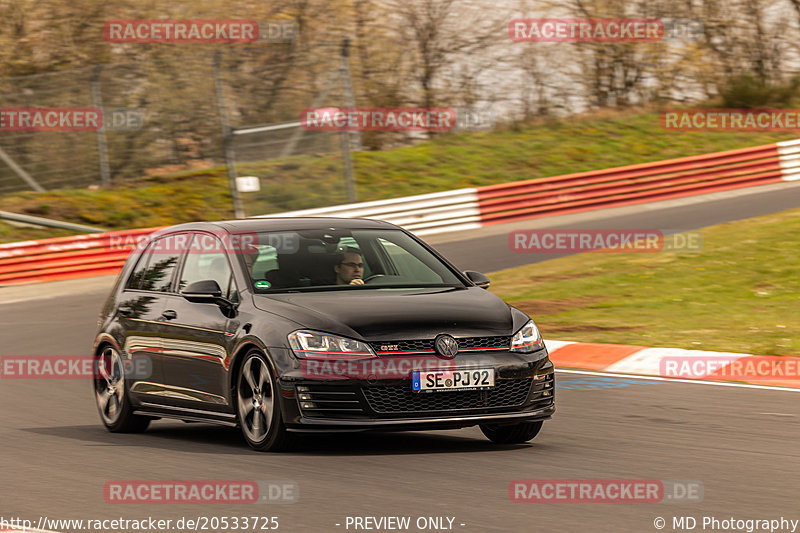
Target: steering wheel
(374,276)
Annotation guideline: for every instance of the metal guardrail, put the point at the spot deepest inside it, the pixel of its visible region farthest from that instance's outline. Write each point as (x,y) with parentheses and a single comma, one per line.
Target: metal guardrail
(46,222)
(422,214)
(98,254)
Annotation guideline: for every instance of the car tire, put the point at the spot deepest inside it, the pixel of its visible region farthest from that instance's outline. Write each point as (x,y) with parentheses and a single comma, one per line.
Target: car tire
(512,434)
(111,394)
(257,405)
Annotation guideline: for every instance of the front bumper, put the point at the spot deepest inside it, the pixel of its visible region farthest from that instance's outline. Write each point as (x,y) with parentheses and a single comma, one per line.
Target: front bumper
(524,391)
(411,424)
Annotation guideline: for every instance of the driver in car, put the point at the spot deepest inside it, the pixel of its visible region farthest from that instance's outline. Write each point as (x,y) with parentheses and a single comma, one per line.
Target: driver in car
(350,268)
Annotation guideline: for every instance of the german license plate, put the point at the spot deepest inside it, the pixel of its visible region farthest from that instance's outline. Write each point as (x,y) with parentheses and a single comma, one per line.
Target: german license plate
(444,380)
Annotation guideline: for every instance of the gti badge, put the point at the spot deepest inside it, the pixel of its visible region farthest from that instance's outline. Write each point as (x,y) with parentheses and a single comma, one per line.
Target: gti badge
(446,346)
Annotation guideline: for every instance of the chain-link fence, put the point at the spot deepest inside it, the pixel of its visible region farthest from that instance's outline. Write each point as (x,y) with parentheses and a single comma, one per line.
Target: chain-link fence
(288,166)
(172,114)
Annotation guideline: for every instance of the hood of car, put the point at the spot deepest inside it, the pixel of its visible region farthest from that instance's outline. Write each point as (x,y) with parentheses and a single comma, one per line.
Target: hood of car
(397,314)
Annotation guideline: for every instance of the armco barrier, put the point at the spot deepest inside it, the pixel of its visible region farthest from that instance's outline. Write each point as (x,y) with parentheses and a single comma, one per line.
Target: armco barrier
(632,184)
(558,195)
(422,214)
(462,209)
(60,258)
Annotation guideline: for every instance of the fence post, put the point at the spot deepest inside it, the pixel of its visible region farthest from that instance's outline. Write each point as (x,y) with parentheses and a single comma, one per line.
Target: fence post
(345,136)
(102,145)
(227,138)
(347,84)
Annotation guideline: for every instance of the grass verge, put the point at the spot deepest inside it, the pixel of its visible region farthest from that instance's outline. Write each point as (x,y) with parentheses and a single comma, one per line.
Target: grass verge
(523,151)
(739,294)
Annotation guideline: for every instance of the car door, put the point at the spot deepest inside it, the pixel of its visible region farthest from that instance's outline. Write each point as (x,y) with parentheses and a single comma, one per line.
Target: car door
(140,309)
(196,335)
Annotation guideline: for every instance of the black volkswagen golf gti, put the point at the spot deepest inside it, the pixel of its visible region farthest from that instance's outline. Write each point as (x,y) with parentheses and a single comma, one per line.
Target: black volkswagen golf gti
(296,325)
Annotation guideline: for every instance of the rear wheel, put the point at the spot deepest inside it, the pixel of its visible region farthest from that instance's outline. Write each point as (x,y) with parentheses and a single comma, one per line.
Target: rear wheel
(112,398)
(257,408)
(512,434)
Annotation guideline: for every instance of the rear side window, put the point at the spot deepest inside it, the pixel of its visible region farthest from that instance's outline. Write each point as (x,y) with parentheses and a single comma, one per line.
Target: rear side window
(137,276)
(156,266)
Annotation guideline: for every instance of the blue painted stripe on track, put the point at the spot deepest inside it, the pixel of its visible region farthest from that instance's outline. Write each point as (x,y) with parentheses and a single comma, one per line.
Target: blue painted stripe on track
(601,383)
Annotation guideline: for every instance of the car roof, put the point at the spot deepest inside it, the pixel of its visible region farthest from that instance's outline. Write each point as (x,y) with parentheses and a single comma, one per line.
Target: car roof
(281,224)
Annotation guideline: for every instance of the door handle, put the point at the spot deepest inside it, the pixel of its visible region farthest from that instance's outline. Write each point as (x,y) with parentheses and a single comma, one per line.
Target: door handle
(124,311)
(169,314)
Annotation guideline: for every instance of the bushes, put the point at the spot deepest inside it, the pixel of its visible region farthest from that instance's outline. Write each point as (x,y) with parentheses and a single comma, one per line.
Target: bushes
(746,91)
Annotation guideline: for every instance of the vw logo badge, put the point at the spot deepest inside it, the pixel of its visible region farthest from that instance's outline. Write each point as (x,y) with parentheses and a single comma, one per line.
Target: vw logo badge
(446,346)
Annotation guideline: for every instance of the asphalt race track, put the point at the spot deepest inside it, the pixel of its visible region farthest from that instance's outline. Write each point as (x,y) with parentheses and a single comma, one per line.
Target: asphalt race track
(740,443)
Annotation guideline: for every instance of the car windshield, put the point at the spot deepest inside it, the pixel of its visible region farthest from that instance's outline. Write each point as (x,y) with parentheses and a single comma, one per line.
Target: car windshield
(334,259)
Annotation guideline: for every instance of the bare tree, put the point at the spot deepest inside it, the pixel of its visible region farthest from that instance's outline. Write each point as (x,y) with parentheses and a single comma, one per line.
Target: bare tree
(745,37)
(449,42)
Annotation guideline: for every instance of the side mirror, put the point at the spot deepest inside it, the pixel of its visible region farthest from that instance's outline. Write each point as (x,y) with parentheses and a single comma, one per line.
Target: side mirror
(477,278)
(206,292)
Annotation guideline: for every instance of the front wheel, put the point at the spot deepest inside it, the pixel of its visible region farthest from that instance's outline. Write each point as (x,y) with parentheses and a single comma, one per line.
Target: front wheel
(112,398)
(257,408)
(512,434)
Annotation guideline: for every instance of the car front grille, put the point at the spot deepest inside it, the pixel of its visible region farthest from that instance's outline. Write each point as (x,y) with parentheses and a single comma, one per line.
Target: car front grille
(401,399)
(502,342)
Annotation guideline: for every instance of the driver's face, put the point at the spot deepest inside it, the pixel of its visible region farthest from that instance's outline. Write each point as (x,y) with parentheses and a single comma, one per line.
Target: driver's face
(351,268)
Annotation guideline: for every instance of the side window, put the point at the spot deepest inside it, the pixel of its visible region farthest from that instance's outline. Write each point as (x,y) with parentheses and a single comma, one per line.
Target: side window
(137,276)
(201,265)
(408,265)
(266,261)
(157,265)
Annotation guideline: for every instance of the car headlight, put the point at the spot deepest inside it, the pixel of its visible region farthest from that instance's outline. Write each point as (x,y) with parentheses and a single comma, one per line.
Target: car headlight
(314,344)
(527,339)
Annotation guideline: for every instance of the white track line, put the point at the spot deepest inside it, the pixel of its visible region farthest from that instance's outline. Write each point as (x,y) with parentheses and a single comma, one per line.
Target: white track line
(678,380)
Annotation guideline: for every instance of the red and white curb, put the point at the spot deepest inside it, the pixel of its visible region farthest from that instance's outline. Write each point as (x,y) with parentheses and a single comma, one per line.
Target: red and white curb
(789,158)
(644,361)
